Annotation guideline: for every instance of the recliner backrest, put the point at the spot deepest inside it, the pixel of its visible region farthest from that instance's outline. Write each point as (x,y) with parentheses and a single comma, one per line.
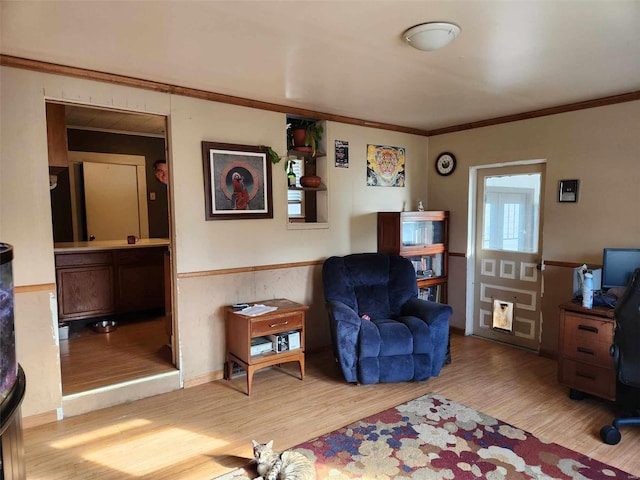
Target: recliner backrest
(375,284)
(627,336)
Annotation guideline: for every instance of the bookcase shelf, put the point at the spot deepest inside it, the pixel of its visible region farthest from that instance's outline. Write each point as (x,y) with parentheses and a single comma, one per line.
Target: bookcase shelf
(423,238)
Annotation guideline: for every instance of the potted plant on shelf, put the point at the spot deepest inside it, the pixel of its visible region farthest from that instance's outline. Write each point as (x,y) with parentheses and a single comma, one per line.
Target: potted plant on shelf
(305,135)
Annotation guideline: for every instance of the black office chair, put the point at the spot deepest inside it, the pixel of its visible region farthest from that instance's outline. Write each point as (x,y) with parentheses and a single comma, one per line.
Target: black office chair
(626,353)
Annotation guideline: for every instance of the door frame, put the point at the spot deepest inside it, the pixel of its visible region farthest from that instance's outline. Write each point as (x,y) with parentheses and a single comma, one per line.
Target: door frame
(174,341)
(472,223)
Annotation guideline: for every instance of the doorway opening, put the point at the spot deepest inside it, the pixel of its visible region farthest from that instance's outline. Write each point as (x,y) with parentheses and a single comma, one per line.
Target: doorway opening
(504,299)
(112,244)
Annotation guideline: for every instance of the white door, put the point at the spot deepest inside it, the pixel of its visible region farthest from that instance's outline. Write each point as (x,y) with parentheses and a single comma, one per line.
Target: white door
(508,253)
(111,201)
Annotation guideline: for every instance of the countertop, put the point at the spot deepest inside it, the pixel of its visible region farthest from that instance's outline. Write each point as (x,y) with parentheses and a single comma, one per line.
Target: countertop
(108,245)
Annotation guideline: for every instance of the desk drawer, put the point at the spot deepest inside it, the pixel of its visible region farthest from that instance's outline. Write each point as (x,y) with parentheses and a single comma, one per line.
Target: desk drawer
(593,351)
(282,323)
(587,339)
(86,258)
(588,378)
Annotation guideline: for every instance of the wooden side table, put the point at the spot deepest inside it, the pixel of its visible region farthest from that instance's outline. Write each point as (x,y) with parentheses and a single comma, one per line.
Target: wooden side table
(585,364)
(242,328)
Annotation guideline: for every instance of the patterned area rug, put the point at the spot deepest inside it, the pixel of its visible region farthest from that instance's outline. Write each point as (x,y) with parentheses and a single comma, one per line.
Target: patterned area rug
(433,438)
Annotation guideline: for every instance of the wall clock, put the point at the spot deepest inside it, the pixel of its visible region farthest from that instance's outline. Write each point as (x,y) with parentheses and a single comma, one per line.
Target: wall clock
(445,163)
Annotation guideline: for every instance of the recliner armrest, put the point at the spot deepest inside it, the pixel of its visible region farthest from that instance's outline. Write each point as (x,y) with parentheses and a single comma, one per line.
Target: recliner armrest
(345,327)
(341,312)
(427,311)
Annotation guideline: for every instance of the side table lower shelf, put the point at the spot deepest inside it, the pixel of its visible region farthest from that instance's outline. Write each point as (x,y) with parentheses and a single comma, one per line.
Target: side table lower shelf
(241,329)
(264,361)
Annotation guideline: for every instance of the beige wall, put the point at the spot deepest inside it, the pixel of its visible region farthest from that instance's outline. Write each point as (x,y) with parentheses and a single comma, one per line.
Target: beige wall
(200,246)
(599,146)
(239,243)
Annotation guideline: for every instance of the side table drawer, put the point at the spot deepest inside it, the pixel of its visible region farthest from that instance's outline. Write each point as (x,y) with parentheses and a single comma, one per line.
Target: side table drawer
(592,379)
(276,325)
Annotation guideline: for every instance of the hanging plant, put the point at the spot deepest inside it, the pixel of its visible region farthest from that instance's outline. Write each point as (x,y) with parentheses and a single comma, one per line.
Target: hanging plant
(274,156)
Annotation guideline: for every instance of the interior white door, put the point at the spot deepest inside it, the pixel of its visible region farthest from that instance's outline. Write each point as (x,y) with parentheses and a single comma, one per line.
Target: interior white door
(111,201)
(508,252)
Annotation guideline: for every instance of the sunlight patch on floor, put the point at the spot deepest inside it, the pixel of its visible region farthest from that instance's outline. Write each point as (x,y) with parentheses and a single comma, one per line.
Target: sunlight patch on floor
(93,435)
(186,445)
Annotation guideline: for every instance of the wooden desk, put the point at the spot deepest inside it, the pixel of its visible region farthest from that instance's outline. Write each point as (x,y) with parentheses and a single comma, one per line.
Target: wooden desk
(585,364)
(241,329)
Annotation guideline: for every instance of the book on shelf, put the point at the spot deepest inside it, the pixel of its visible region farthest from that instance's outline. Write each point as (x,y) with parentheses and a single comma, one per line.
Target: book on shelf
(430,293)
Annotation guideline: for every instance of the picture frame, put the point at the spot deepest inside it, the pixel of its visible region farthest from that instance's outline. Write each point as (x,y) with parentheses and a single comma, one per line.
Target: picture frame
(237,181)
(342,153)
(385,166)
(568,191)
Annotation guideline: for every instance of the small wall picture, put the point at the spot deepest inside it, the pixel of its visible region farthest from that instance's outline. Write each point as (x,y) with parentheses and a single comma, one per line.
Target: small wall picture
(342,154)
(568,191)
(385,166)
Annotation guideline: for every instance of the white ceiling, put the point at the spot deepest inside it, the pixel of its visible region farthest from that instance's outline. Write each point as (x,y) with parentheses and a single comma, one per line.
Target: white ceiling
(347,57)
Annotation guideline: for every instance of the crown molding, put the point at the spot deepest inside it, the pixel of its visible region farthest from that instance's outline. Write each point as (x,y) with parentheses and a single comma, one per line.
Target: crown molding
(56,69)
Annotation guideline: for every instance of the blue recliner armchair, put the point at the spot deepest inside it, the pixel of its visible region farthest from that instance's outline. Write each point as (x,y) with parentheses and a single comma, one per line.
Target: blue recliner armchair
(405,338)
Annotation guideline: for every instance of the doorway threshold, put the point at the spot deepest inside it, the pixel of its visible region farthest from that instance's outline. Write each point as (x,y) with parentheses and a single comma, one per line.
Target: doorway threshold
(124,392)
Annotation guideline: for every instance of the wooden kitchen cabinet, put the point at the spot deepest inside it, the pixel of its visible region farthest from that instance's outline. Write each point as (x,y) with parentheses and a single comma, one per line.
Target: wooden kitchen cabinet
(139,279)
(57,135)
(104,282)
(85,285)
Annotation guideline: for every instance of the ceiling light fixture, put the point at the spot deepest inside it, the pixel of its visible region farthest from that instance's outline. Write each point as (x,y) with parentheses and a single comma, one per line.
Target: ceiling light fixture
(431,36)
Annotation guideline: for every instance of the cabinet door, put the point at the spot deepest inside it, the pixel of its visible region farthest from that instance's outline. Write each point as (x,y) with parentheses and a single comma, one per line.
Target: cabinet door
(85,292)
(422,232)
(57,135)
(140,279)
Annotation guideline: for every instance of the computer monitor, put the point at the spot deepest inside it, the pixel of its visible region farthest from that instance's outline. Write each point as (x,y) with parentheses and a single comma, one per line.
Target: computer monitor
(617,266)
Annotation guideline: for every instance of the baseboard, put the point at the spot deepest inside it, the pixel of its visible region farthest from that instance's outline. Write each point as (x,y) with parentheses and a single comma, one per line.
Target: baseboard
(548,354)
(39,419)
(457,330)
(202,379)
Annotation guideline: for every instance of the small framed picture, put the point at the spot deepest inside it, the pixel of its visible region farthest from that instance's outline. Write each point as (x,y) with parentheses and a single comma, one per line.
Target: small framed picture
(568,191)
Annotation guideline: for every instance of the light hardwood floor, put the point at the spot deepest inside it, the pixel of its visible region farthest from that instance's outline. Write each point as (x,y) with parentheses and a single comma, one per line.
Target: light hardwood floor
(204,431)
(136,349)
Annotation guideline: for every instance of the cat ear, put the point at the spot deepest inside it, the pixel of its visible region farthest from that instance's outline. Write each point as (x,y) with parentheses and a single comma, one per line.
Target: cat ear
(254,443)
(270,444)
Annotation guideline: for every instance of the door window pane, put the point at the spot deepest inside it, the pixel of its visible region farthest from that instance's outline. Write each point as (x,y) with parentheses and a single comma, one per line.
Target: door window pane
(511,213)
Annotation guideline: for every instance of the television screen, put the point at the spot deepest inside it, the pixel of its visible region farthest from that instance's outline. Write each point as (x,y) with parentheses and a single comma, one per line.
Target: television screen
(617,266)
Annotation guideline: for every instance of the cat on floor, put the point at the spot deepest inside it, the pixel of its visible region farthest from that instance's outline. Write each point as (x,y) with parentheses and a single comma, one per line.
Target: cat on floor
(288,465)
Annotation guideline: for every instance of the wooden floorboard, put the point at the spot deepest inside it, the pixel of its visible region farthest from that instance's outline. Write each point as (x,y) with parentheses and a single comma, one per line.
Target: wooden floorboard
(137,348)
(204,431)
